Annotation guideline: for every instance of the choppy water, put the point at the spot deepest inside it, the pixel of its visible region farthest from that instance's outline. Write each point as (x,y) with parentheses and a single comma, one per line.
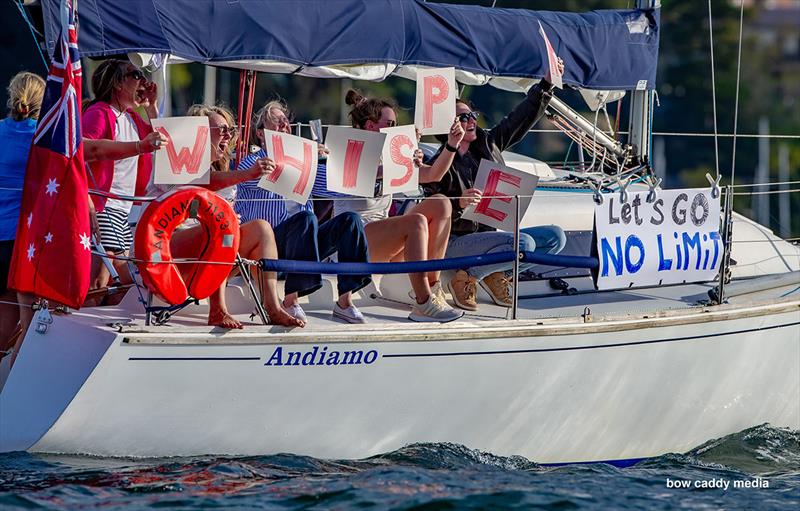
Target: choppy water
(420,476)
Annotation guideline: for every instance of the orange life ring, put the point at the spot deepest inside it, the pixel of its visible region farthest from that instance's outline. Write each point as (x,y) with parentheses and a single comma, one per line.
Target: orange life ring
(154,232)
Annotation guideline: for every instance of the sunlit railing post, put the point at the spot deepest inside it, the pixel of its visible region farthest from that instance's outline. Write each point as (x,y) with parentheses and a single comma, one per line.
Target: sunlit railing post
(515,290)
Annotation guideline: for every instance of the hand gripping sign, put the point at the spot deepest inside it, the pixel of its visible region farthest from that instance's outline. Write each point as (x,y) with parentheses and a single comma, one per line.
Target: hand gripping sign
(671,240)
(552,60)
(185,157)
(353,160)
(499,184)
(436,100)
(399,172)
(295,165)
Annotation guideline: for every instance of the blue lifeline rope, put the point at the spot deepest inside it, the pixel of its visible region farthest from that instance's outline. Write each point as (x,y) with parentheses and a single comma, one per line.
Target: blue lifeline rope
(453,263)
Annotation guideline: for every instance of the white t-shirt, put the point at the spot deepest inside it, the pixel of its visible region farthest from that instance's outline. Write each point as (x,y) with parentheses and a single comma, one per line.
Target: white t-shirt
(125,170)
(369,209)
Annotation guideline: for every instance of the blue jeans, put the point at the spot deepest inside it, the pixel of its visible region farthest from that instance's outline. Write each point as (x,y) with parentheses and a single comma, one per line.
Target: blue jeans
(301,238)
(548,239)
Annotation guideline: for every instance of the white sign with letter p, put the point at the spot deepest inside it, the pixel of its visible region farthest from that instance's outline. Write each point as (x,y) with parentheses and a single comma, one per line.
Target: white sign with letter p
(435,108)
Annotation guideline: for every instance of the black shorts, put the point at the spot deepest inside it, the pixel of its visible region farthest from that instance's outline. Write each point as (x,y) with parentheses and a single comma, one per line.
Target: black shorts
(6,248)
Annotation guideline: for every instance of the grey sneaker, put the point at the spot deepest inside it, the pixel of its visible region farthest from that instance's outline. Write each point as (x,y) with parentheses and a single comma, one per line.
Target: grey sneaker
(437,290)
(434,310)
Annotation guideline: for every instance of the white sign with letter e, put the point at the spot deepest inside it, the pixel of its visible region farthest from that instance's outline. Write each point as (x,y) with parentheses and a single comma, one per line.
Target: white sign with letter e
(399,172)
(185,158)
(671,240)
(435,108)
(353,160)
(295,165)
(499,184)
(552,60)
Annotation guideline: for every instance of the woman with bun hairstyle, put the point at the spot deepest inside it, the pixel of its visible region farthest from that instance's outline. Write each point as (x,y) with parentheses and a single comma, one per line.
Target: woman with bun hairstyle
(25,92)
(418,235)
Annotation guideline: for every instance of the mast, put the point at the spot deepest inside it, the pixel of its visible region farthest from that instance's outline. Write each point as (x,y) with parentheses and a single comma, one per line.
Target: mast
(642,107)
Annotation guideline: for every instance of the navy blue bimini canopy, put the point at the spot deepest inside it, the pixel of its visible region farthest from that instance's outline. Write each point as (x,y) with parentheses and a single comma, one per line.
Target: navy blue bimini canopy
(372,39)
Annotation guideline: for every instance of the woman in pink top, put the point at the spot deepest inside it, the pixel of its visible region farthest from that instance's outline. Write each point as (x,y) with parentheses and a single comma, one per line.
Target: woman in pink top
(117,144)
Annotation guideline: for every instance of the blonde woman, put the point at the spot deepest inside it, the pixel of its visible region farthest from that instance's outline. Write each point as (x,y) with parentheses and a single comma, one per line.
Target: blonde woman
(25,93)
(257,239)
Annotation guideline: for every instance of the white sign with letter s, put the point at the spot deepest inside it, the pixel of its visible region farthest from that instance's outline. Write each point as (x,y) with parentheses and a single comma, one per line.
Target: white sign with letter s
(499,184)
(399,172)
(672,240)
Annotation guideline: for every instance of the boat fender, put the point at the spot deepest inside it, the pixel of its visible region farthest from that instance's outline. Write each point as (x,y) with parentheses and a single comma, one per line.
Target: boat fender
(152,244)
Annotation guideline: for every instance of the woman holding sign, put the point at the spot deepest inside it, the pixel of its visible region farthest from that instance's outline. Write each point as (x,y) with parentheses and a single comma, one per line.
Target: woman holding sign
(419,234)
(257,240)
(298,233)
(470,238)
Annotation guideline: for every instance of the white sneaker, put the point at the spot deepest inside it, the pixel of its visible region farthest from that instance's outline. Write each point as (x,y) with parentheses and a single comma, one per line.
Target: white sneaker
(436,289)
(296,312)
(350,314)
(434,310)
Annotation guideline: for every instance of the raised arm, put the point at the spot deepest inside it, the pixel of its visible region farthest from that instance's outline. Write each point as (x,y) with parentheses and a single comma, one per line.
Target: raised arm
(434,172)
(220,180)
(516,124)
(105,149)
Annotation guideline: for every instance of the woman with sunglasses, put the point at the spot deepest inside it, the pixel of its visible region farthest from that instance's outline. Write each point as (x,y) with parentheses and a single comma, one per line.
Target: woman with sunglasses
(117,145)
(470,238)
(418,235)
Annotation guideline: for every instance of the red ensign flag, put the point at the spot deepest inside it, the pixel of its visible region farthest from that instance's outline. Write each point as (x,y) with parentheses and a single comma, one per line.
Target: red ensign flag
(52,257)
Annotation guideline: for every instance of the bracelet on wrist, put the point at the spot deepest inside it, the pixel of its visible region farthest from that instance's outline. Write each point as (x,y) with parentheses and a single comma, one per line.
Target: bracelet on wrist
(138,147)
(450,148)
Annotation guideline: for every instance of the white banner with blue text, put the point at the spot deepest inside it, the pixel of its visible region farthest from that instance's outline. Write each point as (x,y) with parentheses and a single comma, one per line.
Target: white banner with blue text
(671,240)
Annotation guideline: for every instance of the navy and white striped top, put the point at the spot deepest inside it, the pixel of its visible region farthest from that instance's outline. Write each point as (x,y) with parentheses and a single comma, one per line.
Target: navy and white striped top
(254,203)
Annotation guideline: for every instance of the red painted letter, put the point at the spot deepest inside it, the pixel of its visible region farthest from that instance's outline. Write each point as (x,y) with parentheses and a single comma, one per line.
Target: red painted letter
(433,82)
(352,157)
(484,206)
(396,144)
(282,159)
(186,159)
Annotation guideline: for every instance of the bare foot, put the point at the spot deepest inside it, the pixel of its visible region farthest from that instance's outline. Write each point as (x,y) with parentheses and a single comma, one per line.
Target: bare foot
(224,320)
(283,318)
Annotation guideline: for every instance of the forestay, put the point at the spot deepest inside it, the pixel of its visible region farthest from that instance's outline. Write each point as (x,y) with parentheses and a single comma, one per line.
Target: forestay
(373,39)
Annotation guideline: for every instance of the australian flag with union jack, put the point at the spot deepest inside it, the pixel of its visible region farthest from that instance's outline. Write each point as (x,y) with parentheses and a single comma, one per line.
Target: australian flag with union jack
(52,257)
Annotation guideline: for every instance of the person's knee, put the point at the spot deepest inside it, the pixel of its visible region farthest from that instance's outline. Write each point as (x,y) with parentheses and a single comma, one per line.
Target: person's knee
(260,229)
(306,219)
(441,206)
(351,221)
(417,223)
(559,239)
(526,242)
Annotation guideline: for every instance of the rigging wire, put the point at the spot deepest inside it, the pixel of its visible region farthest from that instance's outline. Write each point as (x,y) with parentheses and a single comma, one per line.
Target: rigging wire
(714,88)
(738,80)
(33,30)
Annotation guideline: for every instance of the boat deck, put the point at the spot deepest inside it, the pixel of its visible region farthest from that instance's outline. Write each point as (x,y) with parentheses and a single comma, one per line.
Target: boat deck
(388,310)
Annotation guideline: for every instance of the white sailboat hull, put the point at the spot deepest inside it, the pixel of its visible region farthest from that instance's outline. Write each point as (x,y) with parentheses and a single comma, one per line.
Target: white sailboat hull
(554,391)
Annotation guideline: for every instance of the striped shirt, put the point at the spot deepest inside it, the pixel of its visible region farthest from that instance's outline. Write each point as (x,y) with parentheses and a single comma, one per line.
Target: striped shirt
(254,203)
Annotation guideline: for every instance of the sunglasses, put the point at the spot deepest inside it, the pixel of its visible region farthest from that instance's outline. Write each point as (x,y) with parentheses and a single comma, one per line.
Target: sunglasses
(136,75)
(466,116)
(225,130)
